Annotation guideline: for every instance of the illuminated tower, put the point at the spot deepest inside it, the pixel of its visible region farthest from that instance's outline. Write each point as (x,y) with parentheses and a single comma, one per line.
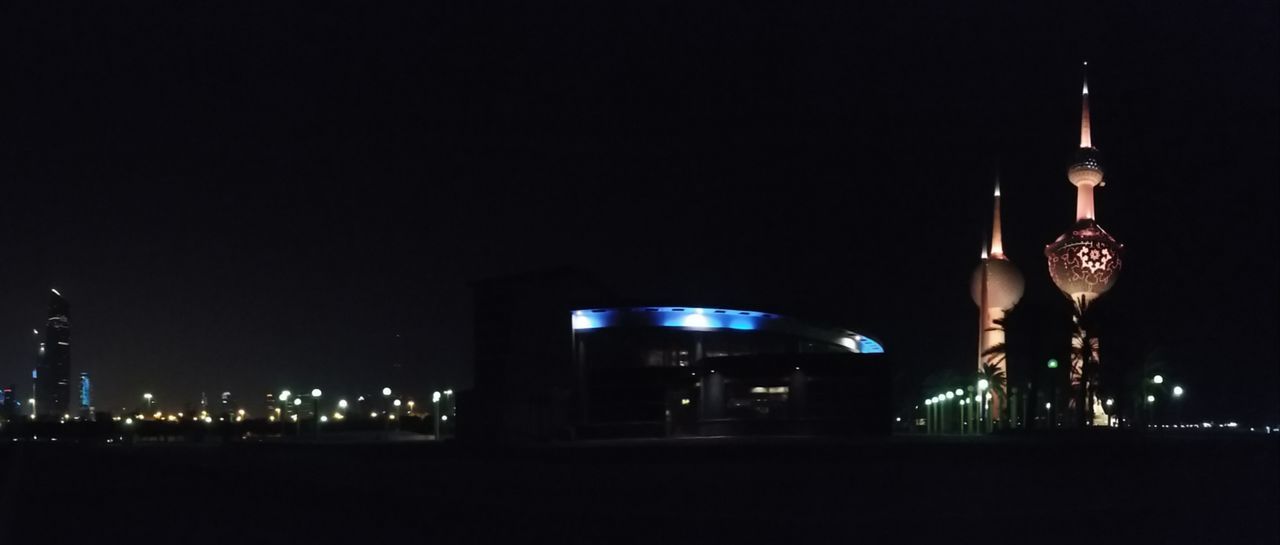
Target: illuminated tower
(53,382)
(86,403)
(996,287)
(1084,262)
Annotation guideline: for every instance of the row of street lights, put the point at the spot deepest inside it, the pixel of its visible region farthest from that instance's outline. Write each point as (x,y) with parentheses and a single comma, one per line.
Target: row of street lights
(974,410)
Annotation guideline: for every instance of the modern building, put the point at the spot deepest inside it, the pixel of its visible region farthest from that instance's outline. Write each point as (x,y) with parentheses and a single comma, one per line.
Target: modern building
(553,363)
(1084,262)
(10,405)
(53,363)
(663,371)
(86,402)
(996,286)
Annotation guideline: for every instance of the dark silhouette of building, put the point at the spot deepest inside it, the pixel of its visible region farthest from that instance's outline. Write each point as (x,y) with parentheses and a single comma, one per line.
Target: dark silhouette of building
(9,404)
(53,362)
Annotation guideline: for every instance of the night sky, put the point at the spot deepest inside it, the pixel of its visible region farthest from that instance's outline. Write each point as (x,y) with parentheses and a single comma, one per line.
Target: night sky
(241,197)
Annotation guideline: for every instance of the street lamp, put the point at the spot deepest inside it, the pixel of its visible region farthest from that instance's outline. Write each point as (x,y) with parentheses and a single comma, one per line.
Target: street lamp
(1177,391)
(315,409)
(386,391)
(1151,399)
(147,396)
(435,399)
(342,404)
(1157,379)
(928,415)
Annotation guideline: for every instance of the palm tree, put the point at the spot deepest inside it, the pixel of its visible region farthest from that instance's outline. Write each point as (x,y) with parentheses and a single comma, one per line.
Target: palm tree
(1084,360)
(995,362)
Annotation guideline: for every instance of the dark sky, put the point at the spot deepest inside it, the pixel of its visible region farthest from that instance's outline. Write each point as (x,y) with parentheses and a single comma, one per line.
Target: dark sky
(243,196)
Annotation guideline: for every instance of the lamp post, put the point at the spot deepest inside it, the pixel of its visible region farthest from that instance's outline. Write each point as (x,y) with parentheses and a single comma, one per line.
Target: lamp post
(284,408)
(928,416)
(1177,395)
(147,396)
(315,408)
(435,399)
(982,406)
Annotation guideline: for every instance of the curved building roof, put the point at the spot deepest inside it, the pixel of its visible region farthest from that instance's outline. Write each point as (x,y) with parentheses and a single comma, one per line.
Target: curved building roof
(712,319)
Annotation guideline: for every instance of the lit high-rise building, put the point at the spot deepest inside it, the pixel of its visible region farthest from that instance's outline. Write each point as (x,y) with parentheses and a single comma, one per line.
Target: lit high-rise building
(86,405)
(53,363)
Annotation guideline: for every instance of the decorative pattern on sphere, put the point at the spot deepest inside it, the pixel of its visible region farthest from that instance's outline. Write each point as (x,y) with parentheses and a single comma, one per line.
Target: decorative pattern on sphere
(1084,261)
(1004,284)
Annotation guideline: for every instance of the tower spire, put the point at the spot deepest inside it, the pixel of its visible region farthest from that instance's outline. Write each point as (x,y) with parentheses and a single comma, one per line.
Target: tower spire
(997,241)
(1086,139)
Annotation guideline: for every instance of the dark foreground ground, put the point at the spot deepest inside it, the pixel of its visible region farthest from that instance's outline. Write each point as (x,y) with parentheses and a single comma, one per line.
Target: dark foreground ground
(1112,489)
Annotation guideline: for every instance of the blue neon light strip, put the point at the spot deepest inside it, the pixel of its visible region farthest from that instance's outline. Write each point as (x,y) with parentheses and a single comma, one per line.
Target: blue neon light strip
(702,319)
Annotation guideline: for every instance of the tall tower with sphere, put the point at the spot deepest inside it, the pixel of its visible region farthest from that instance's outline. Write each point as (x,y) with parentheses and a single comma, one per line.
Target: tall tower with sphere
(996,287)
(1084,262)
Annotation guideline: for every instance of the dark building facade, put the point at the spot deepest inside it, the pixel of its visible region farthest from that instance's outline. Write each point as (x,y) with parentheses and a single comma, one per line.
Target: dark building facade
(549,365)
(53,363)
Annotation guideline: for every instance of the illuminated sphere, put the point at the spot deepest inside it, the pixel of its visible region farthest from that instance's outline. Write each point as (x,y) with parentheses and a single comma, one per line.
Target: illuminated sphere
(1086,168)
(1084,261)
(1004,284)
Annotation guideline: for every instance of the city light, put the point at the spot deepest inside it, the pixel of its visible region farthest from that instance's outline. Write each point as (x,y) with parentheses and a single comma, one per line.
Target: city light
(983,384)
(373,414)
(284,395)
(386,391)
(1110,402)
(297,401)
(1151,399)
(1157,379)
(951,395)
(324,418)
(342,404)
(959,392)
(928,401)
(1177,391)
(396,402)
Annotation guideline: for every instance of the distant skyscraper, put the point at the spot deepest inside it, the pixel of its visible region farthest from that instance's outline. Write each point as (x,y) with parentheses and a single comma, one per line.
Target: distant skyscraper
(85,401)
(8,403)
(53,363)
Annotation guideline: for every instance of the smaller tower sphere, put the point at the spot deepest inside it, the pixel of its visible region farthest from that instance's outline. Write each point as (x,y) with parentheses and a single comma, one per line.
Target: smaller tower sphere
(1004,284)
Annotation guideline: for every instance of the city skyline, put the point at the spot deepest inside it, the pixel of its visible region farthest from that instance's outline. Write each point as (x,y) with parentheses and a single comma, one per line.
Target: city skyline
(234,239)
